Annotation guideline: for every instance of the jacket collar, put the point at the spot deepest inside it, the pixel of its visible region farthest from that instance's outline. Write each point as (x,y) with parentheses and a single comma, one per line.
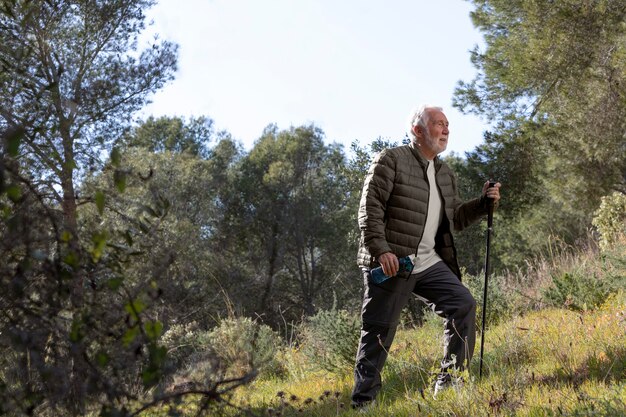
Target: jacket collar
(421,159)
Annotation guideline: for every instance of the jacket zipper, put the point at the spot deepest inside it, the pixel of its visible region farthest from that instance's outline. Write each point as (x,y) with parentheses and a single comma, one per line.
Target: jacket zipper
(425,171)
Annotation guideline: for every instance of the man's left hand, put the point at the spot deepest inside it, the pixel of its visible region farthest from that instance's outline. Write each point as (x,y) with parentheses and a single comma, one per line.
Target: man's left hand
(492,192)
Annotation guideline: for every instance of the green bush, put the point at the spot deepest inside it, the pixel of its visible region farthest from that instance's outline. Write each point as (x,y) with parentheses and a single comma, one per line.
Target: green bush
(242,345)
(232,350)
(330,339)
(578,291)
(589,279)
(181,340)
(610,219)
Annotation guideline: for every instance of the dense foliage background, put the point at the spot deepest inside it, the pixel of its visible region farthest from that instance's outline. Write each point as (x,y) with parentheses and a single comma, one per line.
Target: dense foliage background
(128,248)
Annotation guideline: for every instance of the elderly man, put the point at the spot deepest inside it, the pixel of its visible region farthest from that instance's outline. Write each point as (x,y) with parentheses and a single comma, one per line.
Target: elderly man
(409,207)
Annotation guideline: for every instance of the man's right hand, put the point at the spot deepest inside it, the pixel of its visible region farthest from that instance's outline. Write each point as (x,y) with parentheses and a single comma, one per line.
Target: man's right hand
(390,263)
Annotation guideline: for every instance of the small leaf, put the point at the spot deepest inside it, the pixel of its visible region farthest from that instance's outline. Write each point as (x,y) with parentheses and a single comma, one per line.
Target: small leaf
(99,240)
(70,164)
(144,225)
(100,201)
(116,157)
(128,237)
(115,283)
(151,373)
(71,259)
(130,335)
(76,332)
(158,354)
(119,178)
(66,236)
(14,193)
(13,139)
(153,329)
(102,358)
(135,308)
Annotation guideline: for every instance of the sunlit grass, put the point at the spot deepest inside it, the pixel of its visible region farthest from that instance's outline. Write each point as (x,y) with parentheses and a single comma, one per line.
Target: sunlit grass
(545,362)
(551,362)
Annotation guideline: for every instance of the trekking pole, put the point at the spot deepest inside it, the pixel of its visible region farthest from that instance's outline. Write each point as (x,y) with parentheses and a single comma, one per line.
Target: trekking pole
(489,228)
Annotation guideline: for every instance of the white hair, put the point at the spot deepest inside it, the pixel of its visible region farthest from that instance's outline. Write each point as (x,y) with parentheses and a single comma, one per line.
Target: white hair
(419,117)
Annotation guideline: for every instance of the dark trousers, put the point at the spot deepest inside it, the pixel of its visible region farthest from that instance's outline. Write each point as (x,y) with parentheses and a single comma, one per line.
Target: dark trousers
(382,305)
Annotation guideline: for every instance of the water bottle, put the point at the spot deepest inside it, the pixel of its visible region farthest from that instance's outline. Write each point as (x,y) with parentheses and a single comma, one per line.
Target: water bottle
(378,276)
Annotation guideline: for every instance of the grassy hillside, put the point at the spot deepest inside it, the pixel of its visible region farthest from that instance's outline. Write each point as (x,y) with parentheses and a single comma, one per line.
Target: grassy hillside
(546,363)
(551,362)
(556,345)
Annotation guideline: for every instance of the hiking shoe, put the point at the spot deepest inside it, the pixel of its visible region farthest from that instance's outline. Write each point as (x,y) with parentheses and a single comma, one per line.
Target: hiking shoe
(445,381)
(364,407)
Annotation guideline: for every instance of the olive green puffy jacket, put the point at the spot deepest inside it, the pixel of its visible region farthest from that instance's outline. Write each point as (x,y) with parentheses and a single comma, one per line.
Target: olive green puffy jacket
(394,204)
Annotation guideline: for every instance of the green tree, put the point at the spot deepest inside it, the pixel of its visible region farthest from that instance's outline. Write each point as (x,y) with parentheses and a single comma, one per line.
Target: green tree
(292,222)
(552,81)
(72,77)
(173,134)
(178,197)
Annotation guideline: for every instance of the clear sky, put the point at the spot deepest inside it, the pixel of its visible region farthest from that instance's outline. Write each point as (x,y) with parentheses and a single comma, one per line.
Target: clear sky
(354,68)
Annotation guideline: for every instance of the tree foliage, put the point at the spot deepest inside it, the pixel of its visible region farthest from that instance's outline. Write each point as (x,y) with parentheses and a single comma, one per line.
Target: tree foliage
(180,197)
(172,134)
(72,333)
(74,78)
(552,81)
(290,221)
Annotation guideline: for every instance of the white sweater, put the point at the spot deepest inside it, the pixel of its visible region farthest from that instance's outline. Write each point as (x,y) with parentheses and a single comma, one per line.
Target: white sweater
(426,255)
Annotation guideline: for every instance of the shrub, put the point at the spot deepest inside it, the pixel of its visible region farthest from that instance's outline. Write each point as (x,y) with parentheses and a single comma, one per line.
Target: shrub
(181,340)
(588,279)
(610,219)
(330,340)
(579,291)
(242,345)
(231,350)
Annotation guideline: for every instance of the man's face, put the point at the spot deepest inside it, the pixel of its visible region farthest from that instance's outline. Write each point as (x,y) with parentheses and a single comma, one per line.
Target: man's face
(434,139)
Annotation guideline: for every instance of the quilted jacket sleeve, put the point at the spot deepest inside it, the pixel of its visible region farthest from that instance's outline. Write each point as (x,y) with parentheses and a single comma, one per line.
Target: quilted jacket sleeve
(468,212)
(376,191)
